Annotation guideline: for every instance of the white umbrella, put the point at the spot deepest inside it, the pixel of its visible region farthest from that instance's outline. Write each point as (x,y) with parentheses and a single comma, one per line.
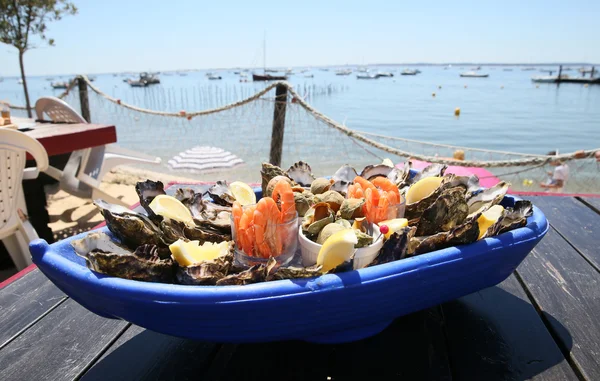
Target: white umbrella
(204,159)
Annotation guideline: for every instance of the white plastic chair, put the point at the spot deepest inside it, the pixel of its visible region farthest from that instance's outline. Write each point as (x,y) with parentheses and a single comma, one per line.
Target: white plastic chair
(83,172)
(15,231)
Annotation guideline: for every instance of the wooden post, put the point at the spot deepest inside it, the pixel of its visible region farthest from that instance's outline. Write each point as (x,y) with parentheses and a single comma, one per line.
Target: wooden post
(592,73)
(558,79)
(278,125)
(83,99)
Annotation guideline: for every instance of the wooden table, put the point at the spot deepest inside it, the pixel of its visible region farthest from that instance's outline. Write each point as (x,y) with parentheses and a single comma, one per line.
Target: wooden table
(59,140)
(542,322)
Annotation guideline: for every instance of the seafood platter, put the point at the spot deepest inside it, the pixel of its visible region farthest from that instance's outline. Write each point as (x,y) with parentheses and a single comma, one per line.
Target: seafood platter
(318,259)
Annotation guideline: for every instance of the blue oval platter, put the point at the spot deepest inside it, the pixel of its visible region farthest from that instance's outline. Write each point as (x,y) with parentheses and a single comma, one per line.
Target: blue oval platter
(331,308)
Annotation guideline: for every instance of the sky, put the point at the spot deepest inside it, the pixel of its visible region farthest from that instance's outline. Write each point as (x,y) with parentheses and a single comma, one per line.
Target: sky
(131,35)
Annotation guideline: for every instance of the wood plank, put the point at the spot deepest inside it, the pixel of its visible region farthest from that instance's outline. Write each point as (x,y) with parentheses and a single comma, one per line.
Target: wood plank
(23,301)
(411,348)
(140,354)
(593,201)
(60,346)
(496,334)
(566,289)
(65,138)
(578,223)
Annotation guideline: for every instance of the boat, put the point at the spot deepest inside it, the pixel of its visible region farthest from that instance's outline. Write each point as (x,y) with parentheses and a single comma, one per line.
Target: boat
(410,72)
(476,68)
(309,75)
(150,79)
(237,72)
(20,81)
(363,70)
(59,85)
(214,77)
(343,72)
(243,75)
(472,74)
(384,74)
(137,83)
(92,78)
(265,76)
(366,76)
(268,77)
(548,78)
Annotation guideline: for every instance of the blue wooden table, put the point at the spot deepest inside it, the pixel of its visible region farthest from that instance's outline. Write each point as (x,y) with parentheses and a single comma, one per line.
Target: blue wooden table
(543,322)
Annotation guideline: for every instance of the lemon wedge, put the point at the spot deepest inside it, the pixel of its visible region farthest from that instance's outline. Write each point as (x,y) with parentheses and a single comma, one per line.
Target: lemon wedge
(242,193)
(393,225)
(488,218)
(337,249)
(422,189)
(189,253)
(170,207)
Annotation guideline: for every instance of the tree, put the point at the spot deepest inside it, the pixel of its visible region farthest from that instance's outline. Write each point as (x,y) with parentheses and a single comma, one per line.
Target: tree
(21,19)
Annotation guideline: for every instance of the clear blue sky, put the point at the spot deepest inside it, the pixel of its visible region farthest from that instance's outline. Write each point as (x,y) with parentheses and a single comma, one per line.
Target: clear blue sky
(110,35)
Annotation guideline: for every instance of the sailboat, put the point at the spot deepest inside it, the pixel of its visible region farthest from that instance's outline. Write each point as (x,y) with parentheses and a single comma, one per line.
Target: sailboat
(264,76)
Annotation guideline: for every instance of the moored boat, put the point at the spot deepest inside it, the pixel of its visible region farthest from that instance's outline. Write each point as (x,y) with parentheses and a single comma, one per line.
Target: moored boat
(410,72)
(343,72)
(472,74)
(59,85)
(384,74)
(366,76)
(268,77)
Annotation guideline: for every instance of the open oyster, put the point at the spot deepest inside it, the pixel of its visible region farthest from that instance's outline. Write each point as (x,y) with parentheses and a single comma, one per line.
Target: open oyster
(105,256)
(301,173)
(396,247)
(221,194)
(487,198)
(372,171)
(432,170)
(516,217)
(468,232)
(255,274)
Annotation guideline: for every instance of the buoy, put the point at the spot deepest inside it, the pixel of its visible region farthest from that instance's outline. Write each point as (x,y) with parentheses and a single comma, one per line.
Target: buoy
(433,95)
(527,182)
(501,87)
(465,86)
(189,117)
(585,85)
(118,101)
(440,86)
(457,111)
(182,112)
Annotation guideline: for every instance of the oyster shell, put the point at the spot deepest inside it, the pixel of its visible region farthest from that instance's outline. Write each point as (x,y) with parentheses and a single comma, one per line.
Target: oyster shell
(105,256)
(516,217)
(340,186)
(185,195)
(131,228)
(320,185)
(469,183)
(346,174)
(396,247)
(221,194)
(267,172)
(146,191)
(372,171)
(403,180)
(255,274)
(206,272)
(316,218)
(415,210)
(333,198)
(352,208)
(449,210)
(301,173)
(463,234)
(487,198)
(303,201)
(296,272)
(432,170)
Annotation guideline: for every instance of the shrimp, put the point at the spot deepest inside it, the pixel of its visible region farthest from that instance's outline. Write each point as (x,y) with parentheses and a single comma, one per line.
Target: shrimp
(283,194)
(267,217)
(246,231)
(386,185)
(237,212)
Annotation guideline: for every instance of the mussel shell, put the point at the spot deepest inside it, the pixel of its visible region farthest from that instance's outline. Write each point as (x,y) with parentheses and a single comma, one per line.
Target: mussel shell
(301,173)
(221,194)
(449,210)
(146,191)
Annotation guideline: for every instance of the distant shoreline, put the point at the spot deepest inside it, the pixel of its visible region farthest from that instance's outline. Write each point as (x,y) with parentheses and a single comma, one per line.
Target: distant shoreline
(578,64)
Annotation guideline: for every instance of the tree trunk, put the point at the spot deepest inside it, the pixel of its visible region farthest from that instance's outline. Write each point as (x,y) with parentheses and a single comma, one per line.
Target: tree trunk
(27,104)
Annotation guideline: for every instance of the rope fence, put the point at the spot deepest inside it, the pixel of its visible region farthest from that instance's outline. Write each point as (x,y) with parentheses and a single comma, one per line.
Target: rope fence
(244,128)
